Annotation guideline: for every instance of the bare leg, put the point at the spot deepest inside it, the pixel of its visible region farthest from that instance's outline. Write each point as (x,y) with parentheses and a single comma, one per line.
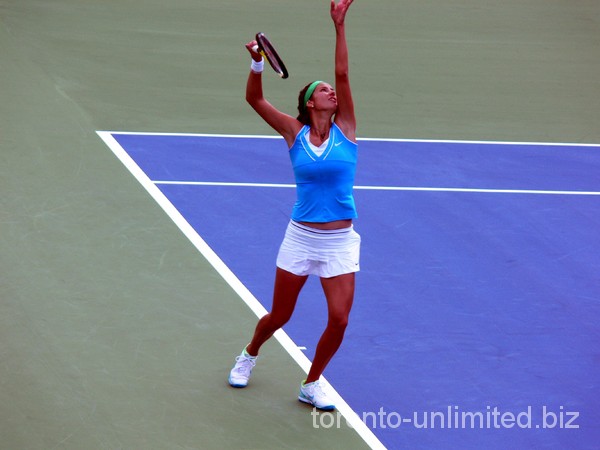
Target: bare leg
(285,294)
(339,292)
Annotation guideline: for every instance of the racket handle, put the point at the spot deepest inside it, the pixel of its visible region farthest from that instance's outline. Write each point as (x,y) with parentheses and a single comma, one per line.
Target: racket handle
(255,49)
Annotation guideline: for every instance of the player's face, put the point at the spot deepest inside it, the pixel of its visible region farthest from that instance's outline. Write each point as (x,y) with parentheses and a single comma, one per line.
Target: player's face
(324,97)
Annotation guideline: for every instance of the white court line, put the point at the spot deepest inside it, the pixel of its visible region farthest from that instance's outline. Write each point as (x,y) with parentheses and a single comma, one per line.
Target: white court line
(349,414)
(441,141)
(383,188)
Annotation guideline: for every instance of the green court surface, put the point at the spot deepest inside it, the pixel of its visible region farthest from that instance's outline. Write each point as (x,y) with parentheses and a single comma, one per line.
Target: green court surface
(115,333)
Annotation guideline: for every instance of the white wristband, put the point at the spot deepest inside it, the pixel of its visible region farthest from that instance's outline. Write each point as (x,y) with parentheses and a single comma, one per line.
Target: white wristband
(257,66)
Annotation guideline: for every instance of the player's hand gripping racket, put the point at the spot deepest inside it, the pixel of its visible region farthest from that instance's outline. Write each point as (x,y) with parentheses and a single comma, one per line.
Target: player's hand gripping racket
(266,49)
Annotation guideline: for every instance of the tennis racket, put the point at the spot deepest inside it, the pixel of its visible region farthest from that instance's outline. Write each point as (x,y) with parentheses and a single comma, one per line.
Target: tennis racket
(266,49)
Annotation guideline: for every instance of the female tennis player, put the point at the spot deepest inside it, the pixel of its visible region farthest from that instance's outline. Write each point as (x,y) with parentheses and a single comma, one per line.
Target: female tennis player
(320,239)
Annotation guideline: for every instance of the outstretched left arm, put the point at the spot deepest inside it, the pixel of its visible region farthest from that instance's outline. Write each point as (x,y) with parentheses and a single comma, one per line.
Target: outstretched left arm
(344,118)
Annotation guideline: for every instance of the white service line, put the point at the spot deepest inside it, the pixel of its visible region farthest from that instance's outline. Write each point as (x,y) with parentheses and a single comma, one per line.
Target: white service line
(383,188)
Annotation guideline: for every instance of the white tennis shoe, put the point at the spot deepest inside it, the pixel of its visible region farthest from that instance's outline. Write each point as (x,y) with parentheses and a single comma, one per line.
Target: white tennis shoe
(241,371)
(312,393)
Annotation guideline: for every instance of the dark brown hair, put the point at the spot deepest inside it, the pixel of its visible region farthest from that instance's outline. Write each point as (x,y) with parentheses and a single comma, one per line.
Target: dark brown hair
(303,116)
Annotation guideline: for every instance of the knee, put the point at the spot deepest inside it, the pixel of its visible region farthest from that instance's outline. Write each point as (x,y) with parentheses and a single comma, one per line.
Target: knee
(338,322)
(277,321)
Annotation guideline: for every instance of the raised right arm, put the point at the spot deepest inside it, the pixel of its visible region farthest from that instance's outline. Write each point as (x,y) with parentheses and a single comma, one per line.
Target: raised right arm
(286,125)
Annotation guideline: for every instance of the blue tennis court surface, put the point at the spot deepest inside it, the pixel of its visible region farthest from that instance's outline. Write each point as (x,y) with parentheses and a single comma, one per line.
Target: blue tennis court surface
(476,321)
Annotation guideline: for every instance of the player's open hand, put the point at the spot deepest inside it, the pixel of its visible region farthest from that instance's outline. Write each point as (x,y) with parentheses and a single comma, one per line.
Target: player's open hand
(338,11)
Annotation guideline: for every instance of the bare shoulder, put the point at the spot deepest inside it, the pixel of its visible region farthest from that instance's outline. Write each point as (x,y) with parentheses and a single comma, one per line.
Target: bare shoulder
(295,128)
(348,129)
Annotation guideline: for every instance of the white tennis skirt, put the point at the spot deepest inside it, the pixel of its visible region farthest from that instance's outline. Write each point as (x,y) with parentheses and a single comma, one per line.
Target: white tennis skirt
(325,253)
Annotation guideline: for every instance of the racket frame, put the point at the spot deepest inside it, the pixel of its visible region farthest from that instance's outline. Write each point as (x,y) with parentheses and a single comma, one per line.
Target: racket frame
(266,49)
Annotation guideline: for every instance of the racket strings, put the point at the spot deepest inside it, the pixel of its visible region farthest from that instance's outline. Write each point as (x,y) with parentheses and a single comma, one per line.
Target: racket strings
(269,53)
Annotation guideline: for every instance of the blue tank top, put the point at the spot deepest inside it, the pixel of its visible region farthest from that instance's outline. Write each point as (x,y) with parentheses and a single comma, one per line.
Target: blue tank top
(324,183)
